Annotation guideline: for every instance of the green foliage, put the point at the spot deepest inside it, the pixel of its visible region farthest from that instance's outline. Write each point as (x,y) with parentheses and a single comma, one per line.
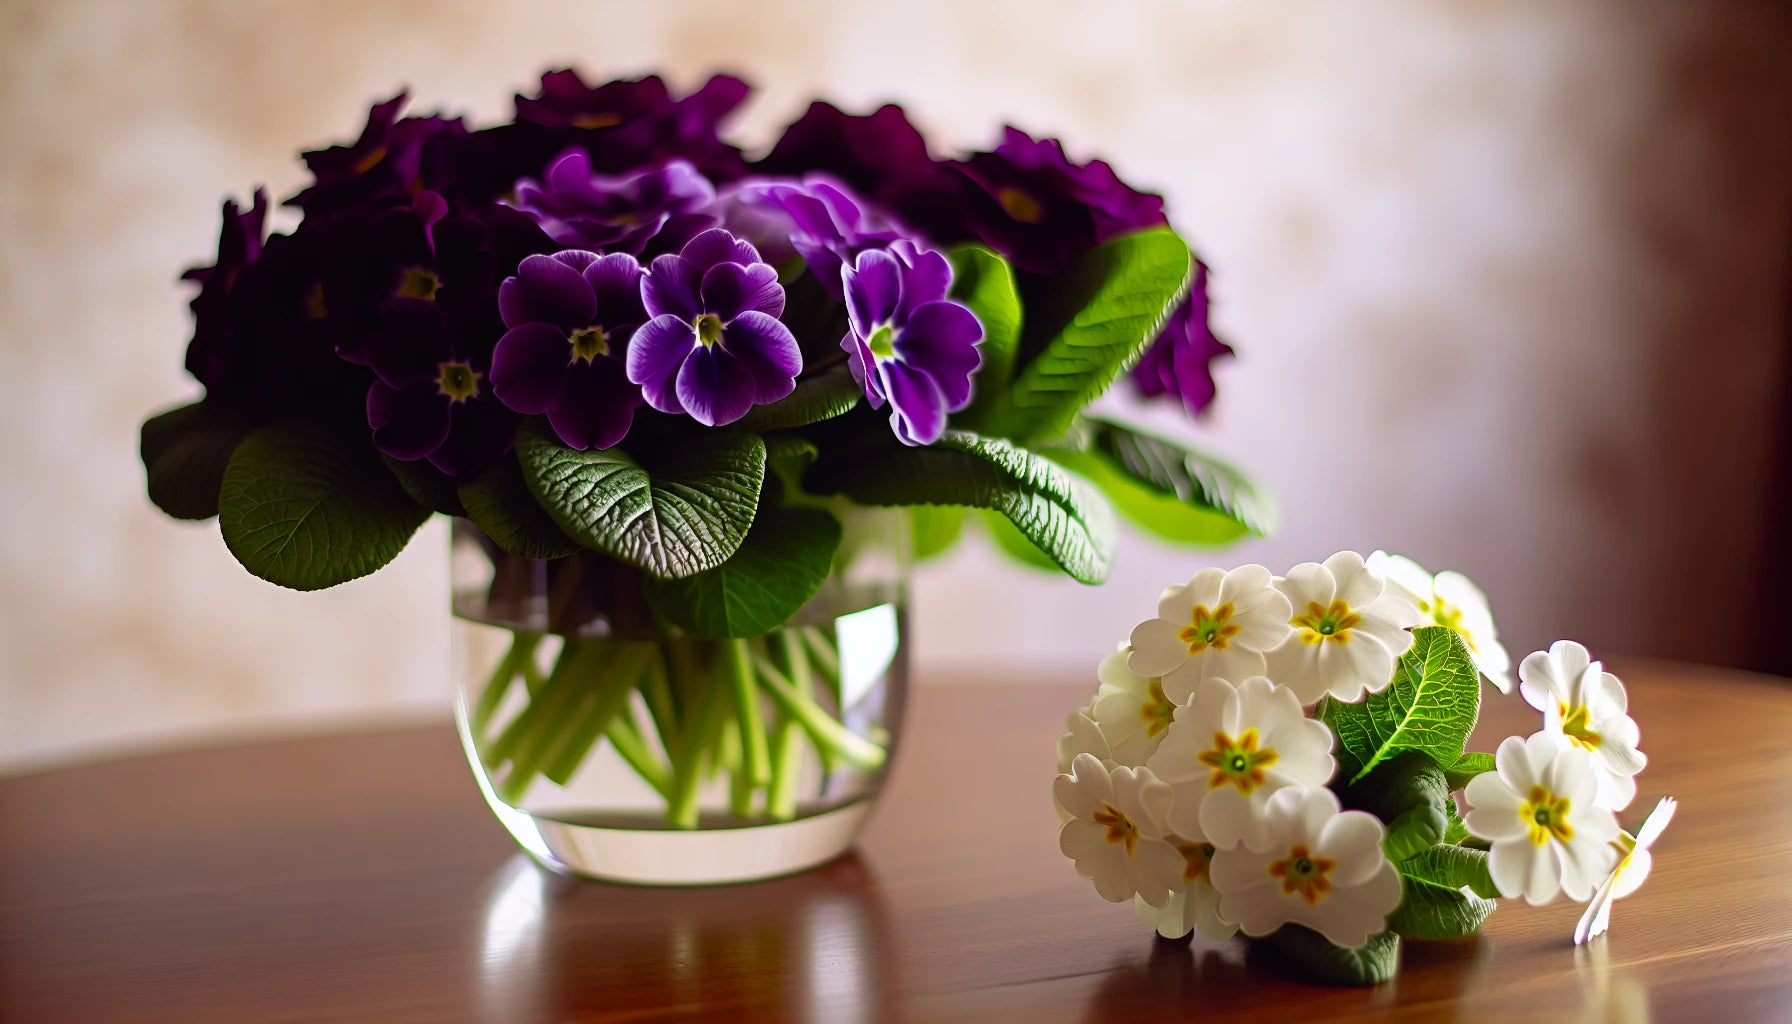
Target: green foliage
(1430,706)
(780,566)
(1455,832)
(184,453)
(1059,512)
(1107,311)
(427,485)
(984,281)
(1319,960)
(936,528)
(308,509)
(1013,543)
(498,502)
(1407,792)
(1168,489)
(686,513)
(1467,767)
(830,393)
(1455,867)
(1445,893)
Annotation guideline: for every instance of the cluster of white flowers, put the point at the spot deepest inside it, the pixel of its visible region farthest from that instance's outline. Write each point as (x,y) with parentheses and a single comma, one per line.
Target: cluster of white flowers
(1195,785)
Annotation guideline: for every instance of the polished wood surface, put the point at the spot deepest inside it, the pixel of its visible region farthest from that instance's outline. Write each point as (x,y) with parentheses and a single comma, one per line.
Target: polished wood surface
(359,878)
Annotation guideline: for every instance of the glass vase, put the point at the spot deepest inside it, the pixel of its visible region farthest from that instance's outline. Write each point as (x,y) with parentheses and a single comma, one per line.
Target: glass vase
(612,745)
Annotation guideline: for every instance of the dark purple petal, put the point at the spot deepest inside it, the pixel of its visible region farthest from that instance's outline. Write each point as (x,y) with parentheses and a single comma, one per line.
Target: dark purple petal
(941,339)
(858,357)
(655,355)
(410,422)
(670,287)
(616,281)
(768,351)
(412,342)
(873,290)
(714,387)
(548,290)
(718,246)
(928,277)
(917,408)
(596,406)
(527,367)
(479,431)
(730,289)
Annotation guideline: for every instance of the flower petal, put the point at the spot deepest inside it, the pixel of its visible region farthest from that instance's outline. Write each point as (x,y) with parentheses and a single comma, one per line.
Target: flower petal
(656,354)
(1353,839)
(729,289)
(768,351)
(917,408)
(615,280)
(528,364)
(546,290)
(596,406)
(479,431)
(714,387)
(873,290)
(410,422)
(1156,648)
(929,278)
(717,246)
(1521,868)
(941,338)
(670,288)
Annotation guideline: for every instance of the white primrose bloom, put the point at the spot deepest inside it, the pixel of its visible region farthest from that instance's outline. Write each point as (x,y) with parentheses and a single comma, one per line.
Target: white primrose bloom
(1633,867)
(1451,599)
(1228,752)
(1083,737)
(1195,906)
(1349,628)
(1219,623)
(1540,812)
(1115,833)
(1323,869)
(1131,710)
(1584,703)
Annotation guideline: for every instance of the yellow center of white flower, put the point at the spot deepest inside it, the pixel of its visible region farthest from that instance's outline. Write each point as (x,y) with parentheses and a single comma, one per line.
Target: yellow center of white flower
(417,283)
(1121,830)
(1546,817)
(1197,858)
(1303,873)
(1206,629)
(1446,614)
(1318,624)
(1237,762)
(1577,725)
(1157,709)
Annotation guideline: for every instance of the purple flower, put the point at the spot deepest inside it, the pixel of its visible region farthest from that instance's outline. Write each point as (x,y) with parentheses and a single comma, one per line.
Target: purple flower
(1041,211)
(1180,361)
(715,346)
(433,399)
(628,124)
(239,245)
(617,213)
(393,158)
(570,317)
(907,342)
(822,220)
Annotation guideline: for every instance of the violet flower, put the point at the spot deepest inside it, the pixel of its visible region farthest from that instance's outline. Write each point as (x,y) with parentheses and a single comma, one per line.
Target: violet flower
(617,213)
(627,124)
(570,316)
(715,346)
(907,342)
(239,245)
(1180,362)
(392,158)
(433,399)
(821,218)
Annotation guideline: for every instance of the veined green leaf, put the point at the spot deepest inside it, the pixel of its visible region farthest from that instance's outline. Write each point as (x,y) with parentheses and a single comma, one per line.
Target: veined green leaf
(984,281)
(1430,706)
(427,485)
(1319,960)
(184,453)
(1013,543)
(830,393)
(1446,892)
(1407,792)
(1169,489)
(1455,867)
(498,501)
(780,566)
(1468,766)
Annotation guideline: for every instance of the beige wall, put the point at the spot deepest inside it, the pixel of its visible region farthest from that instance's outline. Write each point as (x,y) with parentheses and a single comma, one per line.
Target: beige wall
(1505,278)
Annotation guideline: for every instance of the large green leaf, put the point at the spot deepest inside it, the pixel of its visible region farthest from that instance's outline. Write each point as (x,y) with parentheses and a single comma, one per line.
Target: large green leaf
(427,485)
(686,513)
(184,453)
(780,566)
(1453,866)
(1430,706)
(1013,543)
(830,393)
(1169,489)
(984,281)
(499,502)
(307,509)
(1407,792)
(1446,893)
(1059,512)
(1467,767)
(936,528)
(1104,315)
(1319,960)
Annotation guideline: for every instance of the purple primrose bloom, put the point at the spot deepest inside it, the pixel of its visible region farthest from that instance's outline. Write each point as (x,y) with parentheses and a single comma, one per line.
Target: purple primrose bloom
(617,213)
(432,399)
(714,346)
(907,342)
(570,316)
(821,218)
(392,158)
(1180,362)
(627,124)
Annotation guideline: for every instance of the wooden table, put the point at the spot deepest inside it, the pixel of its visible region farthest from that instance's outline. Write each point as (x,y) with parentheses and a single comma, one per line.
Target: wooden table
(359,878)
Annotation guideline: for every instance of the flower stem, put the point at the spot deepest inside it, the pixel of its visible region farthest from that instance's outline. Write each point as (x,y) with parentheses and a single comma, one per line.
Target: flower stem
(522,652)
(755,756)
(657,693)
(608,695)
(702,728)
(852,748)
(549,715)
(787,751)
(628,742)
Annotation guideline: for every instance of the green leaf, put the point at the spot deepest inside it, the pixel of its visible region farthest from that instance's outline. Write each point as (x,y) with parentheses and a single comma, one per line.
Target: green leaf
(984,281)
(830,393)
(783,562)
(1430,706)
(1013,543)
(1169,489)
(498,501)
(308,509)
(1319,960)
(1407,792)
(1455,867)
(1431,911)
(427,485)
(1059,512)
(1467,767)
(936,528)
(184,453)
(1108,311)
(1455,832)
(686,513)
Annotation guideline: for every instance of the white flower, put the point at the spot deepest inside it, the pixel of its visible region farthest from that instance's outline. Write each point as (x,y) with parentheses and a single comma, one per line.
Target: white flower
(1218,624)
(1324,869)
(1115,833)
(1633,867)
(1228,752)
(1348,630)
(1540,813)
(1583,702)
(1196,906)
(1131,710)
(1451,599)
(1083,737)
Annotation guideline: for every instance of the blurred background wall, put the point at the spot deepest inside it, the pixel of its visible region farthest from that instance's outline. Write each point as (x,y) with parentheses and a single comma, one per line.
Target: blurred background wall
(1507,280)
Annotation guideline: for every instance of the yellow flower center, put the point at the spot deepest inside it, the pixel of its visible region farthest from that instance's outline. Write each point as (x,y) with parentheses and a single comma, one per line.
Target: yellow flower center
(709,329)
(1206,629)
(418,283)
(1303,873)
(1121,830)
(458,381)
(369,160)
(1318,624)
(588,344)
(1546,815)
(1157,710)
(1019,204)
(592,121)
(1446,614)
(1197,858)
(1577,725)
(1237,762)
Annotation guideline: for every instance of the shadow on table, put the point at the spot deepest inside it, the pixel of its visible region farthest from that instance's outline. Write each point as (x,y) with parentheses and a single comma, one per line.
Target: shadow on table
(800,948)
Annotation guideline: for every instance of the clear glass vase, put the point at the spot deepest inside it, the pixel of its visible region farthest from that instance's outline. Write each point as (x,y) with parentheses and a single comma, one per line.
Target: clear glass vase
(614,746)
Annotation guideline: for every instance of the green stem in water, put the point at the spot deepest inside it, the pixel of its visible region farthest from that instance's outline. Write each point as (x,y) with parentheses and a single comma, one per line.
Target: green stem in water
(550,714)
(518,730)
(628,742)
(607,696)
(521,654)
(787,749)
(657,692)
(702,728)
(852,748)
(755,755)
